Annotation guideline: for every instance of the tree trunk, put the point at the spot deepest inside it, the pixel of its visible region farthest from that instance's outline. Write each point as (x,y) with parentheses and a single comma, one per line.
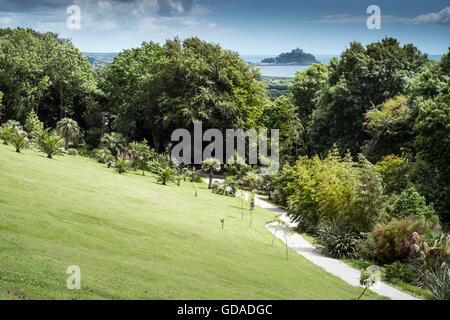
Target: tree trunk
(210,179)
(61,103)
(66,147)
(154,137)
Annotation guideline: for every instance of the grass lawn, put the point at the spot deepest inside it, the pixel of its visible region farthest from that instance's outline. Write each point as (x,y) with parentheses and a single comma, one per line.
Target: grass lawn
(135,239)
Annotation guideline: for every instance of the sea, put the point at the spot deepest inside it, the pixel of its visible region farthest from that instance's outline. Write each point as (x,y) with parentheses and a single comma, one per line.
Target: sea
(289,71)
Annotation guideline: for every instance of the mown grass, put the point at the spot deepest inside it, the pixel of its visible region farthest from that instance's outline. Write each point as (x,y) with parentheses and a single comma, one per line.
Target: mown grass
(135,239)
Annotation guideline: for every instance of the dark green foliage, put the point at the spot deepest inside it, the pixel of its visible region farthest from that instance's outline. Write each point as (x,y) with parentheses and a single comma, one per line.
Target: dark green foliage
(409,204)
(338,240)
(401,271)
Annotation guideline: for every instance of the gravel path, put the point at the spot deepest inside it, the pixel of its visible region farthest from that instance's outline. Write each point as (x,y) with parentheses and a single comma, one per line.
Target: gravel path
(334,266)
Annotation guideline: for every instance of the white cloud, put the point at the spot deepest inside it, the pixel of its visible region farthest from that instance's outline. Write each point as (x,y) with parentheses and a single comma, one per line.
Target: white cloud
(441,18)
(5,21)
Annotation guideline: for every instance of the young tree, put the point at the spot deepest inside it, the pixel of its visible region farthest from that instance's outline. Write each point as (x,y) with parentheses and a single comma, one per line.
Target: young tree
(50,143)
(68,128)
(210,166)
(19,140)
(142,153)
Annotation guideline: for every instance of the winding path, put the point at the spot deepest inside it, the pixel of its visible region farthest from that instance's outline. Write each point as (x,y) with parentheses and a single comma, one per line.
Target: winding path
(334,266)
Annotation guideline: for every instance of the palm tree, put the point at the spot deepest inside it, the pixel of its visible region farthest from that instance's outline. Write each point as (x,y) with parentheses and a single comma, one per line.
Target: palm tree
(68,128)
(50,143)
(19,140)
(210,166)
(114,142)
(165,175)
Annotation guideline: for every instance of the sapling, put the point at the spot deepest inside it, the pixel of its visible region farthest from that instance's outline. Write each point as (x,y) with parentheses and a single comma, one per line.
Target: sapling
(241,197)
(367,279)
(222,221)
(195,190)
(252,205)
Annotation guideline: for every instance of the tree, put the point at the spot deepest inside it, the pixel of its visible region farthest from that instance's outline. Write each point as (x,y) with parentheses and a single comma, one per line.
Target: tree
(19,140)
(390,128)
(362,78)
(50,143)
(68,128)
(114,142)
(165,175)
(142,154)
(210,166)
(33,125)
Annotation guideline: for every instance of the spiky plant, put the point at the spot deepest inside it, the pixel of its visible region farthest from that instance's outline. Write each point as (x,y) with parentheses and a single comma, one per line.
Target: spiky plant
(68,128)
(50,143)
(165,175)
(19,140)
(210,166)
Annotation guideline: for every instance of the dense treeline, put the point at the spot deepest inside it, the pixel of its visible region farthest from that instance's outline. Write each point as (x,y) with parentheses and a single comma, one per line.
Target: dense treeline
(377,100)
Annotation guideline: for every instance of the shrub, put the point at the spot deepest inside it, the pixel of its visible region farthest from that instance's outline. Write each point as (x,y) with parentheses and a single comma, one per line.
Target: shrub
(402,271)
(33,125)
(19,140)
(409,204)
(67,128)
(395,172)
(50,143)
(226,188)
(114,142)
(103,155)
(122,165)
(338,240)
(72,152)
(393,241)
(160,161)
(252,180)
(8,129)
(437,282)
(166,175)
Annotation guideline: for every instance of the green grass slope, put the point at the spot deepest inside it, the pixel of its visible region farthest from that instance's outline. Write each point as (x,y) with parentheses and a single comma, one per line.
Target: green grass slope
(135,239)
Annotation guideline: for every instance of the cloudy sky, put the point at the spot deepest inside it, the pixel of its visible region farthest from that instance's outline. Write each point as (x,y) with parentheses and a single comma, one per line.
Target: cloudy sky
(246,26)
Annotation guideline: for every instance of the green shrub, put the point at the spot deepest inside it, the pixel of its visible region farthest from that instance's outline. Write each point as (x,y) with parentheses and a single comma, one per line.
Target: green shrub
(395,172)
(226,188)
(19,140)
(103,155)
(33,125)
(394,240)
(166,175)
(437,282)
(409,204)
(122,165)
(338,241)
(50,143)
(402,271)
(72,152)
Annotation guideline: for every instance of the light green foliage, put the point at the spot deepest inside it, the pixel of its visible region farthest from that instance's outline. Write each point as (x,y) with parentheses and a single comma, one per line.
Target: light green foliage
(253,180)
(122,165)
(226,188)
(390,128)
(68,129)
(33,125)
(8,129)
(50,143)
(409,203)
(367,279)
(144,240)
(395,172)
(141,154)
(166,175)
(19,140)
(334,188)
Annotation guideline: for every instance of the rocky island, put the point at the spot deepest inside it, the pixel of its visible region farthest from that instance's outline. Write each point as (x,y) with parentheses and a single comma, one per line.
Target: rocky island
(296,57)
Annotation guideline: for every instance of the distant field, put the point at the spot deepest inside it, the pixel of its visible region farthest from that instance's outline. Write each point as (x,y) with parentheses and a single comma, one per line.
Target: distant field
(135,239)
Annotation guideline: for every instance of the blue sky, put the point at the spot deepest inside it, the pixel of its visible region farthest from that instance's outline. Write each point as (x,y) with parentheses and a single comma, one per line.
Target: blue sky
(246,26)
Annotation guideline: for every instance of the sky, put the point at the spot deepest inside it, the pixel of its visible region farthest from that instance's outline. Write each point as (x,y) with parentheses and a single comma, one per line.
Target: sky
(249,27)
